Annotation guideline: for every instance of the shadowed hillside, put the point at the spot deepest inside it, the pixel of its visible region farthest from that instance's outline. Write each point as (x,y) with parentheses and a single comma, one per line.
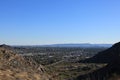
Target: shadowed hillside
(106,56)
(109,72)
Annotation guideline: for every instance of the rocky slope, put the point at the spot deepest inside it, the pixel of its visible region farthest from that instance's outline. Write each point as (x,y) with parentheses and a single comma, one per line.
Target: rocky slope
(15,67)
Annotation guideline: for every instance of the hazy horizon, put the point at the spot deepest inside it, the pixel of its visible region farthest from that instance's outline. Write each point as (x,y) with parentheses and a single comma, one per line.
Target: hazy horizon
(56,44)
(41,22)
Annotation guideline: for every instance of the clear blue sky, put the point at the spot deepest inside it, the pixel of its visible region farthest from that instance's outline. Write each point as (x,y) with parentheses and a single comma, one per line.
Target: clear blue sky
(28,22)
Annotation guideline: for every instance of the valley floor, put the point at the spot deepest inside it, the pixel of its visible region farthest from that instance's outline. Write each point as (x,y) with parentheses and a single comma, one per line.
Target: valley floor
(69,70)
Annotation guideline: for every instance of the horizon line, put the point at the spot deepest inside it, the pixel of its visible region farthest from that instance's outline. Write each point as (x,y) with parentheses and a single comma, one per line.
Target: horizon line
(52,44)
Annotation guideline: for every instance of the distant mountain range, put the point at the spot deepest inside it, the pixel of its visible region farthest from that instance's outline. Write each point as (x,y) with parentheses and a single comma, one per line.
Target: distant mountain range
(83,45)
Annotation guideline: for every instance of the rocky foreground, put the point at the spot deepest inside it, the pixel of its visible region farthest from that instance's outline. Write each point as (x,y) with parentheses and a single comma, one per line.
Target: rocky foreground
(15,67)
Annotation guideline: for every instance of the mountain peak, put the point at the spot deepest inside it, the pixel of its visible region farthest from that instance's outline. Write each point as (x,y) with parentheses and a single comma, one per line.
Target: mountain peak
(5,46)
(117,45)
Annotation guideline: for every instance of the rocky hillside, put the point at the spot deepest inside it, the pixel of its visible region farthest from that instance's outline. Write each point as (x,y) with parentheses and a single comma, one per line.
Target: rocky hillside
(15,67)
(110,56)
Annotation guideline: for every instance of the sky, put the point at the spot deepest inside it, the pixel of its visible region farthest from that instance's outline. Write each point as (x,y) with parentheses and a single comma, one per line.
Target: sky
(38,22)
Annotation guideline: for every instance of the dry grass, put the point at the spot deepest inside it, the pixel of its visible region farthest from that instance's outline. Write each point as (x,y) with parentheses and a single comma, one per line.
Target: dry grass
(15,67)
